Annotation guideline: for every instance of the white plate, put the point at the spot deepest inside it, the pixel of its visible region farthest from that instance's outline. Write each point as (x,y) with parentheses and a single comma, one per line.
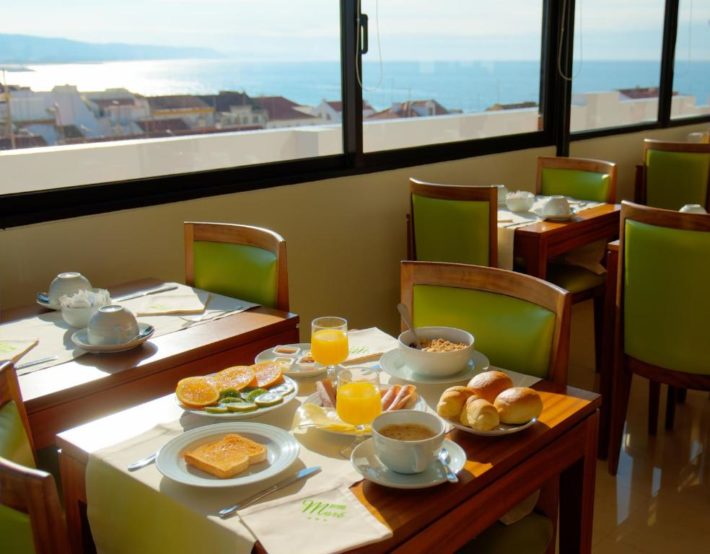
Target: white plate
(366,462)
(81,339)
(47,305)
(295,370)
(282,450)
(392,362)
(502,429)
(248,415)
(314,398)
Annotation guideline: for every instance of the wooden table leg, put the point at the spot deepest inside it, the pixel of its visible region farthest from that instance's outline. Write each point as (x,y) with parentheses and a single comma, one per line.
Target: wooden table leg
(577,496)
(74,487)
(605,370)
(534,254)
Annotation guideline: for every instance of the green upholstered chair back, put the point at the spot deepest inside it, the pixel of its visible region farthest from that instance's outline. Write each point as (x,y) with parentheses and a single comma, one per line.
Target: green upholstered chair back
(14,441)
(584,185)
(236,270)
(454,223)
(584,179)
(519,322)
(237,260)
(666,271)
(674,179)
(451,230)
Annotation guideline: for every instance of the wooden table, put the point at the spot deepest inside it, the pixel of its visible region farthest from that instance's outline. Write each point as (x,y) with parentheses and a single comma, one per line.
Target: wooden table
(559,452)
(538,242)
(93,385)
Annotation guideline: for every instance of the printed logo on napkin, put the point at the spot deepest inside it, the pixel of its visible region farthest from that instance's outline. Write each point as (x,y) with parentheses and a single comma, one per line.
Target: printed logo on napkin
(321,510)
(186,302)
(372,342)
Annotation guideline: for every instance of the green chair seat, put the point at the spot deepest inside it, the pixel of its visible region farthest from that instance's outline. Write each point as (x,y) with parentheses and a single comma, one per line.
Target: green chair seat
(574,278)
(530,535)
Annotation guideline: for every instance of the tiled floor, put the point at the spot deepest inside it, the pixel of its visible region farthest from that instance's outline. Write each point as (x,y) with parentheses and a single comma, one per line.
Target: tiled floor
(659,501)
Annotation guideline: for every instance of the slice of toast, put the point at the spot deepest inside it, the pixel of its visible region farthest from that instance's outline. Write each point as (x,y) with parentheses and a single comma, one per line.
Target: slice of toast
(227,457)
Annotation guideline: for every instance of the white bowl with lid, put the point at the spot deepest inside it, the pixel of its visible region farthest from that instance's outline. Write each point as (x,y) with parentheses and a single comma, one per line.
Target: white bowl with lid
(112,324)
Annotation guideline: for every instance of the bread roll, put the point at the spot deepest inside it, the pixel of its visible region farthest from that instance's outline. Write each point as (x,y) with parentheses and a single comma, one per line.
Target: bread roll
(452,401)
(518,405)
(479,414)
(490,384)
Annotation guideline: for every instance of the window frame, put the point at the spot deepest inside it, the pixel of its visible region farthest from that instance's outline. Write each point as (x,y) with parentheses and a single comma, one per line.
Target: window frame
(35,207)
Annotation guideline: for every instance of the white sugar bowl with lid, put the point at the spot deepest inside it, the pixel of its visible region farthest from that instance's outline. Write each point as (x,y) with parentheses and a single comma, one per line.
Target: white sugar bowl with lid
(66,284)
(112,325)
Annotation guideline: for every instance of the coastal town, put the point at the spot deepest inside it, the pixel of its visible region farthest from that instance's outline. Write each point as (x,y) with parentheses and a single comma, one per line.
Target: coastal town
(65,115)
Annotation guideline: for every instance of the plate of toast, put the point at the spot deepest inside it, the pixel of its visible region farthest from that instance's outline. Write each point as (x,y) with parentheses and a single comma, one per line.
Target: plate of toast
(227,454)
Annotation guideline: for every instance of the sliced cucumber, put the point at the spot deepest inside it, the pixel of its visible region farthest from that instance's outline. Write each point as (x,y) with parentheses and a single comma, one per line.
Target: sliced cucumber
(268,399)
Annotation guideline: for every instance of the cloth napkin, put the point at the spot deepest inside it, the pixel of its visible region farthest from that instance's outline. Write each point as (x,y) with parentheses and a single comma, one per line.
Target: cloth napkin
(367,345)
(186,301)
(14,349)
(328,521)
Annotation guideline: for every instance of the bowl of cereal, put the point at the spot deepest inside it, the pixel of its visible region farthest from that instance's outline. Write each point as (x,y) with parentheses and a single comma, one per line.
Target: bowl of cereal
(444,351)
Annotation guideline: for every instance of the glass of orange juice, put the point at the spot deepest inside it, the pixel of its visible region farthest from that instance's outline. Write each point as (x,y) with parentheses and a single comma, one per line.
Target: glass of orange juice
(358,401)
(329,342)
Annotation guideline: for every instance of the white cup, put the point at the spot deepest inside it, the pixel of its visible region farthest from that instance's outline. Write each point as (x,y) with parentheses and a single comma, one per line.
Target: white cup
(556,206)
(405,456)
(502,192)
(693,209)
(66,284)
(112,325)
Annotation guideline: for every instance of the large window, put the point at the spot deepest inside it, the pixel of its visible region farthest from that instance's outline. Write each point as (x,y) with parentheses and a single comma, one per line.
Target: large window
(691,79)
(449,71)
(617,63)
(220,84)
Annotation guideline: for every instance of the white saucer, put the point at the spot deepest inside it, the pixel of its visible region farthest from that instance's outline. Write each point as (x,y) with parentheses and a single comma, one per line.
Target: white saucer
(366,462)
(391,362)
(47,305)
(81,339)
(502,429)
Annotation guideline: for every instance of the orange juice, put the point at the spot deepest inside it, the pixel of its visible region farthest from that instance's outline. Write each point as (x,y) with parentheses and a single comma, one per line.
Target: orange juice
(329,346)
(358,402)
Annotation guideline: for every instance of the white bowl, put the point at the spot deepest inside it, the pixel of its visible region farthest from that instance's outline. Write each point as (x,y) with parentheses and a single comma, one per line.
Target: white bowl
(556,206)
(112,325)
(520,201)
(436,364)
(693,209)
(66,284)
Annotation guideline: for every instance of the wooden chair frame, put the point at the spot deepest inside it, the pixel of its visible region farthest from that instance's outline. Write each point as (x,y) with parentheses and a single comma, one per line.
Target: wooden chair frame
(597,294)
(640,191)
(466,193)
(10,391)
(248,235)
(499,281)
(578,164)
(33,492)
(625,366)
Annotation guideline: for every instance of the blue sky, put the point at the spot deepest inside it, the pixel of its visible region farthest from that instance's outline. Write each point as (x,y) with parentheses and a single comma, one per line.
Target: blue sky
(408,29)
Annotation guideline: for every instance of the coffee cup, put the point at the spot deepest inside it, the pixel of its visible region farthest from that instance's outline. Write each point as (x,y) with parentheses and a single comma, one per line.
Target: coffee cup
(66,284)
(112,325)
(407,441)
(693,209)
(556,206)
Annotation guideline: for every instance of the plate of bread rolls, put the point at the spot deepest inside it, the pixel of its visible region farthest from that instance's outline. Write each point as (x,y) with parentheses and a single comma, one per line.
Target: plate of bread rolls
(490,405)
(318,409)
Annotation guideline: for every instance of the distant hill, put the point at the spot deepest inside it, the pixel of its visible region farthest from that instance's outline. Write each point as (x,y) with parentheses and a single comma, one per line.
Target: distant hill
(25,49)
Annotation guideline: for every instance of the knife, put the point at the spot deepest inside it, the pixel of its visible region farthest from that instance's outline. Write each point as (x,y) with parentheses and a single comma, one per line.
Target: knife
(302,474)
(145,293)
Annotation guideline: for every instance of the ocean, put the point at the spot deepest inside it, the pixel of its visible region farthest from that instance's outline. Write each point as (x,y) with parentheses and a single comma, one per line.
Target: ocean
(466,86)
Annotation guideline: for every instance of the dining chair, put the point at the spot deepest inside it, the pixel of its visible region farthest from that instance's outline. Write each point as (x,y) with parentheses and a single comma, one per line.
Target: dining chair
(662,302)
(520,323)
(452,223)
(583,179)
(673,174)
(237,260)
(31,518)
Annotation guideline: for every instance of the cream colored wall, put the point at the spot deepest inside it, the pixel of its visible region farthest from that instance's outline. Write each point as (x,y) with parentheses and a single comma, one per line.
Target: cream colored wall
(345,236)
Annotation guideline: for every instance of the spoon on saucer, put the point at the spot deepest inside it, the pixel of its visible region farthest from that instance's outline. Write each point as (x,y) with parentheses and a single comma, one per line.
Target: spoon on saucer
(404,312)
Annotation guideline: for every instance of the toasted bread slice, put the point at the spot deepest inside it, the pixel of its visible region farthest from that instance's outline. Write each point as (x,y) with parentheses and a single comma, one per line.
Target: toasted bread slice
(227,457)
